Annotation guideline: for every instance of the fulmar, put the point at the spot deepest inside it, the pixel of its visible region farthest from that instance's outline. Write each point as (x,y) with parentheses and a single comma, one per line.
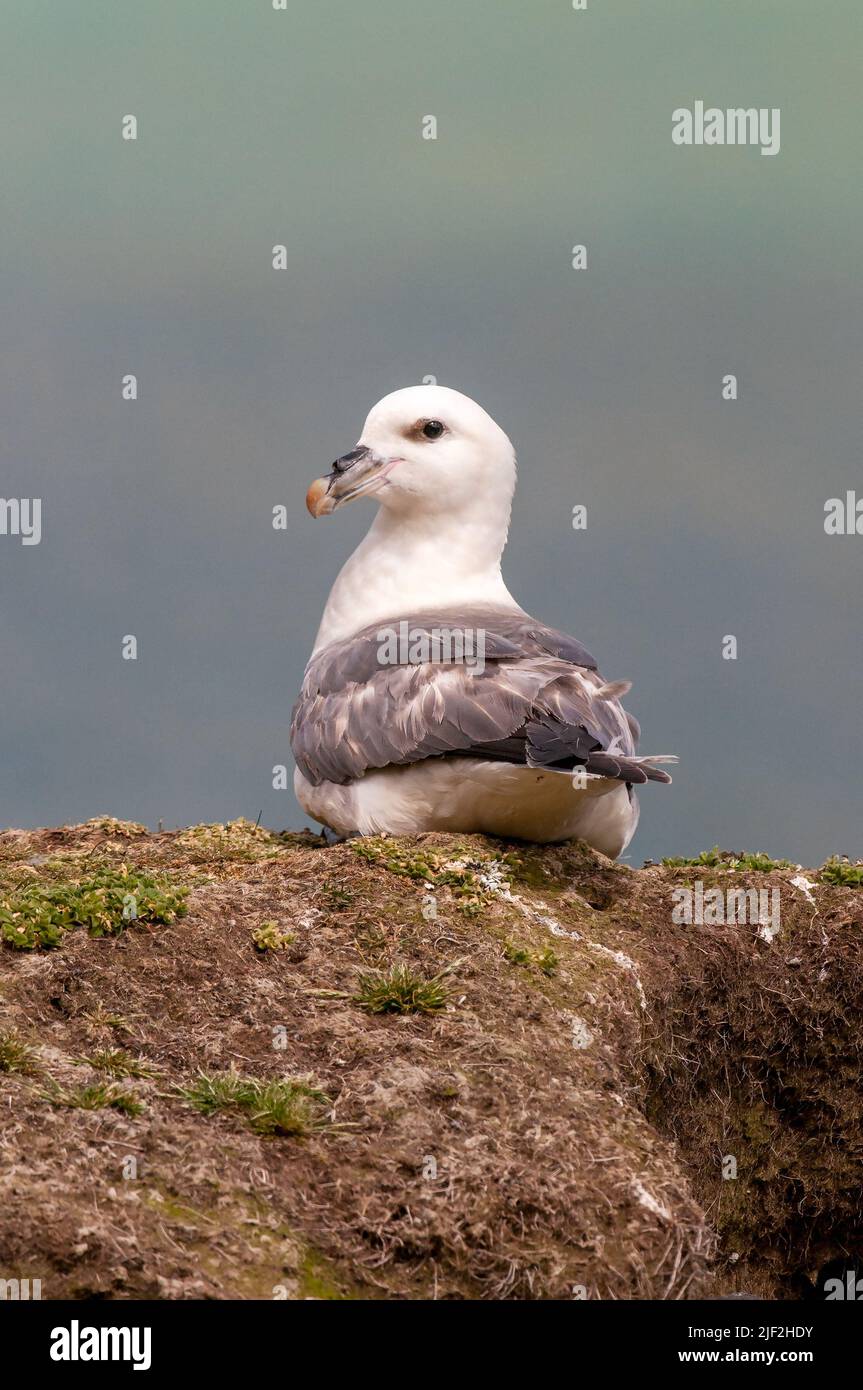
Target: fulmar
(431,700)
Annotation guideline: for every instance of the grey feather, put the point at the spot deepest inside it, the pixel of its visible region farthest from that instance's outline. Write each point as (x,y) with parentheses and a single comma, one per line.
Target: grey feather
(538,702)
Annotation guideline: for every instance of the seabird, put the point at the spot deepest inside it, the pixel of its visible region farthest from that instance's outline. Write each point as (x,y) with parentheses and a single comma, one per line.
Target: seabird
(390,733)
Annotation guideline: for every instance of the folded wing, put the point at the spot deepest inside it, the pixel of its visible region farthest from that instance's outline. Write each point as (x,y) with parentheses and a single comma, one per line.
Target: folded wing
(535,699)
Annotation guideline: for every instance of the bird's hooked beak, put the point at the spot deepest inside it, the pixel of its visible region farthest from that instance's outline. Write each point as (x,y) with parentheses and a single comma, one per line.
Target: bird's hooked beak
(355,474)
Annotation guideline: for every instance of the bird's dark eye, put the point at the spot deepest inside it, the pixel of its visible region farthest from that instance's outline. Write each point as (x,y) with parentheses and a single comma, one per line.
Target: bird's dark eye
(433,429)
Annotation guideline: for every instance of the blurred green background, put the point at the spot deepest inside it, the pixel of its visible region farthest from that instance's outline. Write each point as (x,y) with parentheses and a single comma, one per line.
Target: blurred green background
(410,257)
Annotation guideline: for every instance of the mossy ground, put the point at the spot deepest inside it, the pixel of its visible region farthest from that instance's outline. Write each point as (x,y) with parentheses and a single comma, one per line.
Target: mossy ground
(555,1123)
(102,899)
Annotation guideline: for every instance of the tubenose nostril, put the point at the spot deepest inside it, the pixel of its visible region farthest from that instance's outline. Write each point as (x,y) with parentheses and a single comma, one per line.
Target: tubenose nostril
(347,461)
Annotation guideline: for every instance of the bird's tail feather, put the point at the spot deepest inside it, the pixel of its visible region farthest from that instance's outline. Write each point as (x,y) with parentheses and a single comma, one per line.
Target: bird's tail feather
(631,767)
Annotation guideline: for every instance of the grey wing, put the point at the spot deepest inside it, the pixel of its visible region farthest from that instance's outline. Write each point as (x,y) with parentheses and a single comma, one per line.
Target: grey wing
(537,700)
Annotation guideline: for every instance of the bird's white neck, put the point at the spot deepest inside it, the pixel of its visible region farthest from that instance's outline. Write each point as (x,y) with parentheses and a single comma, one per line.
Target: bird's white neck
(416,563)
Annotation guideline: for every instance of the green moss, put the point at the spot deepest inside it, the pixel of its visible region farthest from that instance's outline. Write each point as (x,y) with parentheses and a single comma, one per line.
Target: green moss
(527,869)
(758,1123)
(472,880)
(284,1106)
(545,960)
(274,1256)
(170,1206)
(318,1278)
(261,1265)
(105,902)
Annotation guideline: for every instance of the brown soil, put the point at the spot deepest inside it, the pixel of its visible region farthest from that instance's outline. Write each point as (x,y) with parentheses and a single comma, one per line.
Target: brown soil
(547,1135)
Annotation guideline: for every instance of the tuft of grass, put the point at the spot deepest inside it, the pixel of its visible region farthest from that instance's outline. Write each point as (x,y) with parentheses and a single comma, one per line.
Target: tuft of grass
(839,869)
(16,1054)
(40,914)
(335,898)
(268,937)
(717,858)
(116,1062)
(101,1018)
(545,960)
(401,990)
(285,1106)
(99,1095)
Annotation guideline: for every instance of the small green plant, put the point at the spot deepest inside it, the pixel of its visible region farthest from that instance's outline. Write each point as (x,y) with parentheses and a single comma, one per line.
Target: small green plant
(840,870)
(39,914)
(717,858)
(15,1054)
(116,1062)
(517,955)
(708,858)
(335,898)
(285,1106)
(269,937)
(101,1018)
(100,1095)
(401,990)
(472,881)
(545,960)
(238,839)
(110,825)
(761,863)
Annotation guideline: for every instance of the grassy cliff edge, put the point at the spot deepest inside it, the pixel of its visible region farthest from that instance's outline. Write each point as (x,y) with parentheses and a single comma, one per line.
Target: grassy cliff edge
(237,1064)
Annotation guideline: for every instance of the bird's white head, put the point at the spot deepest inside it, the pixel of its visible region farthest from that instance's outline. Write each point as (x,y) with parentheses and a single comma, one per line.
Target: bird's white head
(423,450)
(443,473)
